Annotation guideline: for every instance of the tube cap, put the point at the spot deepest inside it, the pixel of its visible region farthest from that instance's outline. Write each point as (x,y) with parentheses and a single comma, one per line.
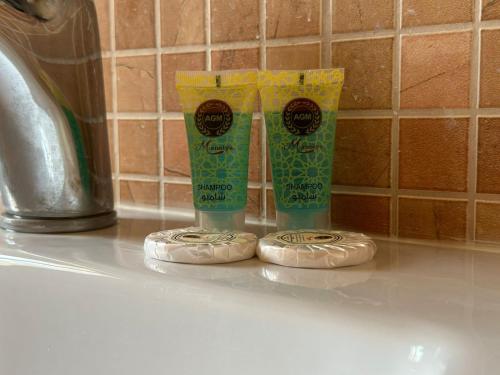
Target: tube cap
(316,249)
(220,220)
(303,219)
(200,246)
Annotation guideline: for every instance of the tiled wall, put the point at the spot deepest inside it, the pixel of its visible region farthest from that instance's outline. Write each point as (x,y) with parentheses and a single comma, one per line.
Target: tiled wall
(418,140)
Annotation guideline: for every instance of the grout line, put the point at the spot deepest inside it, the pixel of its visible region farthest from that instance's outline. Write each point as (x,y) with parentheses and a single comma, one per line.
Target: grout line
(336,37)
(139,177)
(487,25)
(434,113)
(437,29)
(159,99)
(286,42)
(360,190)
(359,114)
(135,52)
(114,101)
(343,114)
(376,34)
(236,45)
(433,194)
(488,112)
(487,198)
(263,139)
(176,180)
(326,34)
(434,198)
(473,128)
(208,36)
(396,86)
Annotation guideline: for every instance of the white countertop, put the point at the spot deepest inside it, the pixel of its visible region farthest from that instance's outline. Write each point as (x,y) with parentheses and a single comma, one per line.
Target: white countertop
(87,303)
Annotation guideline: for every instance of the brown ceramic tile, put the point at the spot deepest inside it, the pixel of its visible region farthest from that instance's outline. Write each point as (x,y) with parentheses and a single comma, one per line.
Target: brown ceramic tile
(138,142)
(172,63)
(139,193)
(111,143)
(135,22)
(233,21)
(431,12)
(254,166)
(363,153)
(435,71)
(235,59)
(490,68)
(491,10)
(253,202)
(303,56)
(488,157)
(136,84)
(433,154)
(175,149)
(487,223)
(182,22)
(179,196)
(432,219)
(362,15)
(108,79)
(102,9)
(270,206)
(368,73)
(363,213)
(290,18)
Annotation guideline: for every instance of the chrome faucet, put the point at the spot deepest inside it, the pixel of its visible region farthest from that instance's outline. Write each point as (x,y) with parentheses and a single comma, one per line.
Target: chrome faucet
(55,171)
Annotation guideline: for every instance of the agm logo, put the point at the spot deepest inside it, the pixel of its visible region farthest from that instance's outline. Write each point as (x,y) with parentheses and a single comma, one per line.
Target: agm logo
(302,116)
(213,118)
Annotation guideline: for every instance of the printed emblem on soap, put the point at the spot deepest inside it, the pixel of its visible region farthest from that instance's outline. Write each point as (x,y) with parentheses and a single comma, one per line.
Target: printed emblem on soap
(203,237)
(308,237)
(302,116)
(213,118)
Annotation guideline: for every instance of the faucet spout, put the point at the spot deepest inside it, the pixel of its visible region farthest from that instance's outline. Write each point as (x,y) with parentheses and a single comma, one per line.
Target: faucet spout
(55,173)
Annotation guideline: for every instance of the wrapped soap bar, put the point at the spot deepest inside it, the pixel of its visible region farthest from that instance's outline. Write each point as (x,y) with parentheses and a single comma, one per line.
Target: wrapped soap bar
(200,246)
(316,249)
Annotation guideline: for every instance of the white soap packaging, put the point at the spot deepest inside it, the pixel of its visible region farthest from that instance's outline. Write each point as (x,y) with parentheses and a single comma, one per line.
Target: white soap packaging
(200,246)
(316,248)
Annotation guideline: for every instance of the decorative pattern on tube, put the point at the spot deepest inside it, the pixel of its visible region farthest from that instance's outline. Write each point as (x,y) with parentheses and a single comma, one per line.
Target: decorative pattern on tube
(218,109)
(300,112)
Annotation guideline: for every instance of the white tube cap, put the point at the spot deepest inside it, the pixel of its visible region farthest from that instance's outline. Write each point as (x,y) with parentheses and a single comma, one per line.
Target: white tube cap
(200,246)
(316,249)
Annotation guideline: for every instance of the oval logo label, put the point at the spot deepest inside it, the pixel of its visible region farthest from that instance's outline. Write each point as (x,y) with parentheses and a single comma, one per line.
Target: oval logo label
(203,237)
(213,118)
(309,237)
(302,116)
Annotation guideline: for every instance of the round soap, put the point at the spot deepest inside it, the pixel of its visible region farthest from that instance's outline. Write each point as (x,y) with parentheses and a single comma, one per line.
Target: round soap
(316,249)
(200,246)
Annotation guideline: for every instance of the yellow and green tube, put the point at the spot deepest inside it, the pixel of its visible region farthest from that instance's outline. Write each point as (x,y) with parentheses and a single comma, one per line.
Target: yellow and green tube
(300,110)
(218,109)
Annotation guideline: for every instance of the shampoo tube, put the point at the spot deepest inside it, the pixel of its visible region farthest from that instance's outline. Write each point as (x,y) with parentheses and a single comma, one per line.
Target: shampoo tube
(300,110)
(218,110)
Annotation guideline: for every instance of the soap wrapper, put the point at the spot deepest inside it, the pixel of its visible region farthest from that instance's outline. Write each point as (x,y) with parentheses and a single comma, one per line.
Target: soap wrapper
(316,249)
(200,246)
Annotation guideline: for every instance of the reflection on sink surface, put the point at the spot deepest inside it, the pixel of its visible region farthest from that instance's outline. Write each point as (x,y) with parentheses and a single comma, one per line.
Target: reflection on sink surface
(90,303)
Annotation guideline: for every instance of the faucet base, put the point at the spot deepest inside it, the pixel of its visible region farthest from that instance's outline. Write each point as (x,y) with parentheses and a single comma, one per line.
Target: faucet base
(56,225)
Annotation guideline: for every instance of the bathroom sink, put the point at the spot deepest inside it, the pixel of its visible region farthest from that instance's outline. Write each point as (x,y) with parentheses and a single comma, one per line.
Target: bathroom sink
(88,303)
